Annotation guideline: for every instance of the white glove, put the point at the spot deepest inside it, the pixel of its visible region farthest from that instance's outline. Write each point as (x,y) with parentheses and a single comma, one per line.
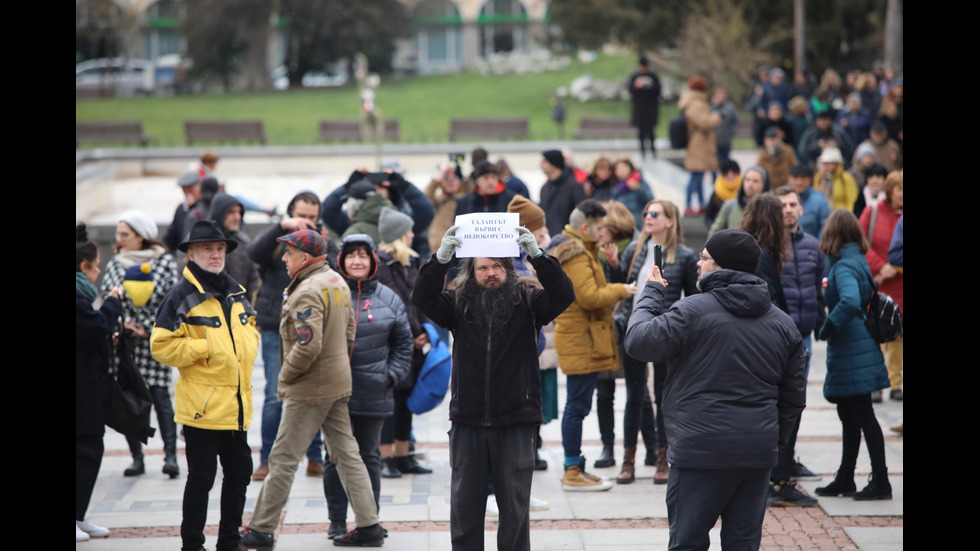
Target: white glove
(449,245)
(527,242)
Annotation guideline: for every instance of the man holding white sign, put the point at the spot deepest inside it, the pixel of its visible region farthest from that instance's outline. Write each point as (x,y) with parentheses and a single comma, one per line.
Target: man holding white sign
(495,404)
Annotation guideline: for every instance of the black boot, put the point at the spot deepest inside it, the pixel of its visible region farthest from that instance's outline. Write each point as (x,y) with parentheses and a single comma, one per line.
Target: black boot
(842,485)
(170,466)
(407,465)
(606,458)
(651,459)
(877,488)
(388,468)
(136,468)
(168,432)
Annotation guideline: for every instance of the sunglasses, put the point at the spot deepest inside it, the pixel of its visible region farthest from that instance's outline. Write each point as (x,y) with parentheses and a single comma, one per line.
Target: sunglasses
(652,214)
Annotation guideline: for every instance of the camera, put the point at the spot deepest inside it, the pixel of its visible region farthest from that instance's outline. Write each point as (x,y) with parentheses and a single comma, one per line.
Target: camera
(457,158)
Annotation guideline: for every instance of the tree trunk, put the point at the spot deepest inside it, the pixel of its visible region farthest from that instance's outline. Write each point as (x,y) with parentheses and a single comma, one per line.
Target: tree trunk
(893,36)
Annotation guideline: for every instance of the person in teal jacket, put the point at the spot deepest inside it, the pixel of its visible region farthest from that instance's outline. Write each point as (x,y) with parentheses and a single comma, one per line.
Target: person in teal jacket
(855,365)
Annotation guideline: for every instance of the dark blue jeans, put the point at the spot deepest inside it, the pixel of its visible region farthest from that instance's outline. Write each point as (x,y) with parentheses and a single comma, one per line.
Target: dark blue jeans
(695,186)
(578,403)
(272,407)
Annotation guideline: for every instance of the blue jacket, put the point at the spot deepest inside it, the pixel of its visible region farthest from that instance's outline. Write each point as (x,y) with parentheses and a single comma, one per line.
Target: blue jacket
(802,281)
(816,209)
(855,365)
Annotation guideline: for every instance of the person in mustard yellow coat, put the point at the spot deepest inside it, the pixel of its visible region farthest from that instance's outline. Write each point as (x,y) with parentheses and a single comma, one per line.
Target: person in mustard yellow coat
(585,335)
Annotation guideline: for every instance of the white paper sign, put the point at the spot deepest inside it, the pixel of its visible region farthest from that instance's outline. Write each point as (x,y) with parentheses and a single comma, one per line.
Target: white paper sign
(488,234)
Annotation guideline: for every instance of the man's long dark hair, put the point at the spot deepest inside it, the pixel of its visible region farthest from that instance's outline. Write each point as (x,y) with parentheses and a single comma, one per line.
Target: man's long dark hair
(491,308)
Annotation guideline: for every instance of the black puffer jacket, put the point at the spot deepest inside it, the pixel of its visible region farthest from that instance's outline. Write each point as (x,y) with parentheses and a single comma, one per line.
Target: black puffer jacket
(381,355)
(735,384)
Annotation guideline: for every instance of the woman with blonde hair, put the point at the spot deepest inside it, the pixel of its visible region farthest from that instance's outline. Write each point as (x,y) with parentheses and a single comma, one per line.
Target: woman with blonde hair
(661,226)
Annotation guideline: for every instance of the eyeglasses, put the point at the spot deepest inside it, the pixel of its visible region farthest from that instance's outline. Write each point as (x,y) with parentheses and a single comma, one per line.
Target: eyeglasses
(702,257)
(652,214)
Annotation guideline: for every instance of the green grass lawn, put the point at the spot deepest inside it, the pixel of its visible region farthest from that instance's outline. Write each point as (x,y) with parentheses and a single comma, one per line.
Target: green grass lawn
(423,105)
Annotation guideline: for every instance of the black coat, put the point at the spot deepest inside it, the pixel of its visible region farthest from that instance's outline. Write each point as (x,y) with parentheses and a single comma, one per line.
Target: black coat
(645,99)
(495,379)
(93,350)
(559,197)
(735,385)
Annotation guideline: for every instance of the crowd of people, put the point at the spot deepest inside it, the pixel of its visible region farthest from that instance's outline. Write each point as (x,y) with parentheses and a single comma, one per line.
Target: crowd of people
(336,296)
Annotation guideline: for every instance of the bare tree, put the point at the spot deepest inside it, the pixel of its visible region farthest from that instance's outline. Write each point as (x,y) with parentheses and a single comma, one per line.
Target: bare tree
(716,42)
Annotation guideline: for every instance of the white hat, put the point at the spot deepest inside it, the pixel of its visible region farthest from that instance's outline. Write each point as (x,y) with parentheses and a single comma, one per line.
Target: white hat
(141,223)
(831,155)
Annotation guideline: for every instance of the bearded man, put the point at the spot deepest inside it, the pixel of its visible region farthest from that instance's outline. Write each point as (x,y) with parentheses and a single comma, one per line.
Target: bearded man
(495,409)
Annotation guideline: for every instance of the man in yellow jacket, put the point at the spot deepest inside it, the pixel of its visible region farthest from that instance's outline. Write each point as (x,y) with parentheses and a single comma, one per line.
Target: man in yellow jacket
(584,335)
(206,328)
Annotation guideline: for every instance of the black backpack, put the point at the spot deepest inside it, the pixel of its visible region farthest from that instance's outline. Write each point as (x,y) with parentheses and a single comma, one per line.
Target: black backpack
(883,317)
(677,130)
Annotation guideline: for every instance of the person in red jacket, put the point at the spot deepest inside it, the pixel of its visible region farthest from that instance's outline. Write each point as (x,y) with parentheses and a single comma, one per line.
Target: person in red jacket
(879,221)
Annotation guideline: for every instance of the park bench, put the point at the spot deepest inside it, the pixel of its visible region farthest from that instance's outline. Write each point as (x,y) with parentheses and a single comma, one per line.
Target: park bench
(349,130)
(605,128)
(110,132)
(488,128)
(224,131)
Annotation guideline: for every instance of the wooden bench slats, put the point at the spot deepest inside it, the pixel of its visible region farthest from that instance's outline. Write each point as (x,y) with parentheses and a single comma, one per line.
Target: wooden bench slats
(224,131)
(488,128)
(111,132)
(350,130)
(605,127)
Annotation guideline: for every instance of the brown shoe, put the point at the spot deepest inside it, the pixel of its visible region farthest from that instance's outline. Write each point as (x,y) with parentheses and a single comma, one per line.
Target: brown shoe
(663,469)
(314,468)
(628,474)
(261,472)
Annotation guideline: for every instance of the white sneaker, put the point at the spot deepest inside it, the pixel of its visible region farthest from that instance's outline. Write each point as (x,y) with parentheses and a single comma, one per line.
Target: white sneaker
(80,534)
(539,504)
(93,530)
(492,510)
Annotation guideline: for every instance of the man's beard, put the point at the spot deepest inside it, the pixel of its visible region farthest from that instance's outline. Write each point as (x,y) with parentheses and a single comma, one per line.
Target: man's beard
(490,308)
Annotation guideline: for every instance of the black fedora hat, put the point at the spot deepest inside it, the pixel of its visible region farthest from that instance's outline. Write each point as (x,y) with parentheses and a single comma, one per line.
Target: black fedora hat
(205,231)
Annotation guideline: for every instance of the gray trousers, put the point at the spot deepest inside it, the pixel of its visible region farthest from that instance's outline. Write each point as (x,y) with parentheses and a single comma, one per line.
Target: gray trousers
(504,455)
(697,497)
(297,428)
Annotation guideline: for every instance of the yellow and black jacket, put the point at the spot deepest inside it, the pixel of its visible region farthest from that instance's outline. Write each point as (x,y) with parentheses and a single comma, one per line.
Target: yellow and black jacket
(211,338)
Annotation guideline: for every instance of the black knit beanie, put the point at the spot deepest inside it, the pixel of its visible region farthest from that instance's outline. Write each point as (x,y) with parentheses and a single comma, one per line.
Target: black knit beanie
(734,250)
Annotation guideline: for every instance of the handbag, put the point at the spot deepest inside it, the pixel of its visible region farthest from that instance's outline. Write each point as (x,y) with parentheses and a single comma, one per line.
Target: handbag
(882,316)
(433,380)
(125,396)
